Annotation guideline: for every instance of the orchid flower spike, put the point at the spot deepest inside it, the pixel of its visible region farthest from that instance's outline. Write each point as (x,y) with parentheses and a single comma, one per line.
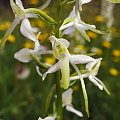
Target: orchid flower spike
(67,102)
(73,21)
(60,51)
(20,15)
(47,118)
(92,68)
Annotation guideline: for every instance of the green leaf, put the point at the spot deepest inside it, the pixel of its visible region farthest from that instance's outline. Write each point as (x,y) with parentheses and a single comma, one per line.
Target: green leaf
(41,14)
(49,97)
(114,1)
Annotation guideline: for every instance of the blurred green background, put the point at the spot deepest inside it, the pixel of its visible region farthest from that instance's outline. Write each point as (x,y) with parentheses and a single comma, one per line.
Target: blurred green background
(22,92)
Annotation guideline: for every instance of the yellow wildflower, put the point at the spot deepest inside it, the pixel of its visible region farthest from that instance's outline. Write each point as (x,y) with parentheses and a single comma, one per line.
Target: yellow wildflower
(99,18)
(4,26)
(113,71)
(50,60)
(40,24)
(29,44)
(116,53)
(106,44)
(42,37)
(33,2)
(99,51)
(92,34)
(11,39)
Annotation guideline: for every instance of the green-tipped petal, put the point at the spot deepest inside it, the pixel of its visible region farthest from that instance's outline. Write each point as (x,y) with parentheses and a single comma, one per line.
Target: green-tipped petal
(9,31)
(105,88)
(83,86)
(93,29)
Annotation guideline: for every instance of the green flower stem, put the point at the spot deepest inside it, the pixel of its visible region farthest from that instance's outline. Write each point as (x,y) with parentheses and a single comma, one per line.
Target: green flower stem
(59,108)
(59,96)
(40,64)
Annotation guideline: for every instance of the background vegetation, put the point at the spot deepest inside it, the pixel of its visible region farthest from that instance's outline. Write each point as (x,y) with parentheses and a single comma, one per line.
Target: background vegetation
(24,99)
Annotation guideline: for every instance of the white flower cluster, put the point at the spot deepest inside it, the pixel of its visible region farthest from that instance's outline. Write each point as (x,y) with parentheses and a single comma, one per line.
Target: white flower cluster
(60,52)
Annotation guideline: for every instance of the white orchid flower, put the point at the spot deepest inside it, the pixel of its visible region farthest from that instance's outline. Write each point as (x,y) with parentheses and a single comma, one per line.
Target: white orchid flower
(47,118)
(93,68)
(20,15)
(67,102)
(24,55)
(73,21)
(61,53)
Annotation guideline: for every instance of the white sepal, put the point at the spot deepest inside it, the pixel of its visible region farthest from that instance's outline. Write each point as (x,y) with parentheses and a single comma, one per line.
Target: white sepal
(73,110)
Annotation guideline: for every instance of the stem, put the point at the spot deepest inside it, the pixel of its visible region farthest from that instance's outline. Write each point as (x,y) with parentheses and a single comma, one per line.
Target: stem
(40,64)
(59,96)
(59,109)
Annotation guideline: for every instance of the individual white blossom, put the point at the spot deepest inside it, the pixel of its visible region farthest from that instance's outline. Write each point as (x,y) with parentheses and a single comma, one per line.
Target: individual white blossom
(67,102)
(20,15)
(24,55)
(73,21)
(92,68)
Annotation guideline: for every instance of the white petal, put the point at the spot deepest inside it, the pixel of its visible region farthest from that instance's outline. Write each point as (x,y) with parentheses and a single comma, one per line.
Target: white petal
(80,26)
(64,42)
(73,110)
(77,77)
(84,1)
(47,118)
(9,31)
(91,78)
(23,55)
(38,71)
(72,13)
(70,24)
(105,88)
(90,65)
(26,30)
(19,3)
(82,84)
(52,69)
(81,59)
(68,30)
(67,97)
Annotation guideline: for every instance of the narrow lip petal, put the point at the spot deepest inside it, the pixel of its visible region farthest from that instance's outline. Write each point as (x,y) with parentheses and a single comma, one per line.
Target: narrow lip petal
(52,69)
(27,31)
(94,81)
(65,71)
(73,110)
(83,86)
